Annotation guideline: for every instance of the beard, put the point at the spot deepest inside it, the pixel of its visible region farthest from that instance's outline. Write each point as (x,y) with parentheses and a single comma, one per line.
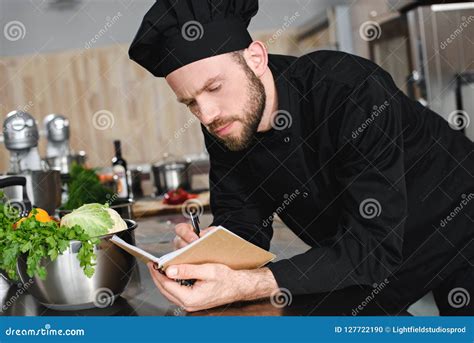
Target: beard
(251,118)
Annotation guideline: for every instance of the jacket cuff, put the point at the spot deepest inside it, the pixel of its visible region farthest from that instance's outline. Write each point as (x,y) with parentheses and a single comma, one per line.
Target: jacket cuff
(287,276)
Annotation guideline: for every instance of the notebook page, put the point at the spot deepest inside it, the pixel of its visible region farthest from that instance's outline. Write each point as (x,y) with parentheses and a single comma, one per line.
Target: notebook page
(173,254)
(135,251)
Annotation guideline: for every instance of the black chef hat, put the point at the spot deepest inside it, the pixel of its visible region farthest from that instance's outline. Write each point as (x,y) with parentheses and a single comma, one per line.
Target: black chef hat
(175,33)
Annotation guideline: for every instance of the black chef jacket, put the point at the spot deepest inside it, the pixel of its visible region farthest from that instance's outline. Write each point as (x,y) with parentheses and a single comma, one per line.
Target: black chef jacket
(360,172)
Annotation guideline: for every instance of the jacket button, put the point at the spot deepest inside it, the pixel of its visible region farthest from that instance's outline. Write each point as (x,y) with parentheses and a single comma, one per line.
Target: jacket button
(305,194)
(286,139)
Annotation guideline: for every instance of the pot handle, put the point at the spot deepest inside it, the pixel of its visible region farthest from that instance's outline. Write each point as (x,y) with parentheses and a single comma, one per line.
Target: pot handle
(18,181)
(13,181)
(4,275)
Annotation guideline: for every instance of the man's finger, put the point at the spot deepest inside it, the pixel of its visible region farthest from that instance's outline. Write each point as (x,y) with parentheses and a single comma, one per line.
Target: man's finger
(191,271)
(158,280)
(178,243)
(172,290)
(185,231)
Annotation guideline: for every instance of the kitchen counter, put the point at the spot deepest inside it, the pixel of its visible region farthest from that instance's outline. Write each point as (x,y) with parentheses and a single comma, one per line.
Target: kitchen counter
(141,297)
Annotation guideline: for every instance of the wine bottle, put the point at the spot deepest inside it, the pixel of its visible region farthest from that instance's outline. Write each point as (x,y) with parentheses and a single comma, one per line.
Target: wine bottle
(119,167)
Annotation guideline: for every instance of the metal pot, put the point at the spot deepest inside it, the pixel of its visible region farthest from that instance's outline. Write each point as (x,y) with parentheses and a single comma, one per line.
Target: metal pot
(42,186)
(67,288)
(170,175)
(64,163)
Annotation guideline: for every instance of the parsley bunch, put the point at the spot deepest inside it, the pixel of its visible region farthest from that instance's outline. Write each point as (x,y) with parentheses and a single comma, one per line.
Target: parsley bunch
(38,241)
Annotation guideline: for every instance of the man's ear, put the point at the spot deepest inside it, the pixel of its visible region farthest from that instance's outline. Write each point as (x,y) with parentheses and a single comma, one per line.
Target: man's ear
(256,56)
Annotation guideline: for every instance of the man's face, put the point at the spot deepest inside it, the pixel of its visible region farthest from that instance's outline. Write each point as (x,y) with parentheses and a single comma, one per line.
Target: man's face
(224,94)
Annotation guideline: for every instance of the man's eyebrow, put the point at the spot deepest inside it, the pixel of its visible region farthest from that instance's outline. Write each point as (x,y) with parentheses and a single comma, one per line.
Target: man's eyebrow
(200,90)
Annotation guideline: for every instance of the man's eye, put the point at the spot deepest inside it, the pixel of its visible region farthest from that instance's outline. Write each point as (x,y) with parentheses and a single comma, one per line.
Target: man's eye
(215,88)
(191,104)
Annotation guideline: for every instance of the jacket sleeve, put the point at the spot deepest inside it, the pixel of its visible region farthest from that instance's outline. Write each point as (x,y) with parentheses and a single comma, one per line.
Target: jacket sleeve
(371,188)
(235,200)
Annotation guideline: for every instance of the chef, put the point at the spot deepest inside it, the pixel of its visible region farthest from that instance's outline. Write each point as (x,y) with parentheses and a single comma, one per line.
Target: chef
(380,187)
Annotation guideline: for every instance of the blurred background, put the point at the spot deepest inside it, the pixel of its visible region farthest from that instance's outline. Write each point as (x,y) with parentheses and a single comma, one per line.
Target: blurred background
(70,57)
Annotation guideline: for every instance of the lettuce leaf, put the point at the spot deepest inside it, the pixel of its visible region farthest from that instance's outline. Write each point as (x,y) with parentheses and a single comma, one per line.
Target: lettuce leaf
(94,219)
(119,223)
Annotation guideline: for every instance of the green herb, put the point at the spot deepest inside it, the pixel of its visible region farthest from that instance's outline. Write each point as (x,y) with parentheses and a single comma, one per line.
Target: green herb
(39,241)
(84,187)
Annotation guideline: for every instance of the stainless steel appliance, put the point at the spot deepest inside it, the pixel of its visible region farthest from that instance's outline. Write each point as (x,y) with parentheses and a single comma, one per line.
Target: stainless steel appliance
(67,288)
(57,132)
(20,134)
(43,186)
(442,50)
(59,155)
(429,51)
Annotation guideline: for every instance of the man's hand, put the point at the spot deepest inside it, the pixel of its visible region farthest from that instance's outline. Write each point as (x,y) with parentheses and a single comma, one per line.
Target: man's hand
(185,235)
(216,285)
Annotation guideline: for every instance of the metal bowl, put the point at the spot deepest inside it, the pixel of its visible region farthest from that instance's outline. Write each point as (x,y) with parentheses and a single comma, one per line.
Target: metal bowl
(67,288)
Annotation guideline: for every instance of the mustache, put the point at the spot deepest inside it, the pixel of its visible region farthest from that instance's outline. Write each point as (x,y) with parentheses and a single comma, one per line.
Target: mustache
(218,123)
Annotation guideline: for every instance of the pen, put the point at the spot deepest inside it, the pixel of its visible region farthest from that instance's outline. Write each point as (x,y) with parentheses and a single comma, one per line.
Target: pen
(195,222)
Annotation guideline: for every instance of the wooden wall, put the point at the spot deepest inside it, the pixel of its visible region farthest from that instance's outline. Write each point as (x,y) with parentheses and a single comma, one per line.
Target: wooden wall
(106,96)
(136,107)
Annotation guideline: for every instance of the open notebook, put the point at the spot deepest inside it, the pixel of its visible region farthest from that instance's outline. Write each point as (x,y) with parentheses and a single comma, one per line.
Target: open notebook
(218,246)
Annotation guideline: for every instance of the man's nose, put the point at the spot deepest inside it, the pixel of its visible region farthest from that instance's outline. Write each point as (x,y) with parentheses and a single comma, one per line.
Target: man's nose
(209,113)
